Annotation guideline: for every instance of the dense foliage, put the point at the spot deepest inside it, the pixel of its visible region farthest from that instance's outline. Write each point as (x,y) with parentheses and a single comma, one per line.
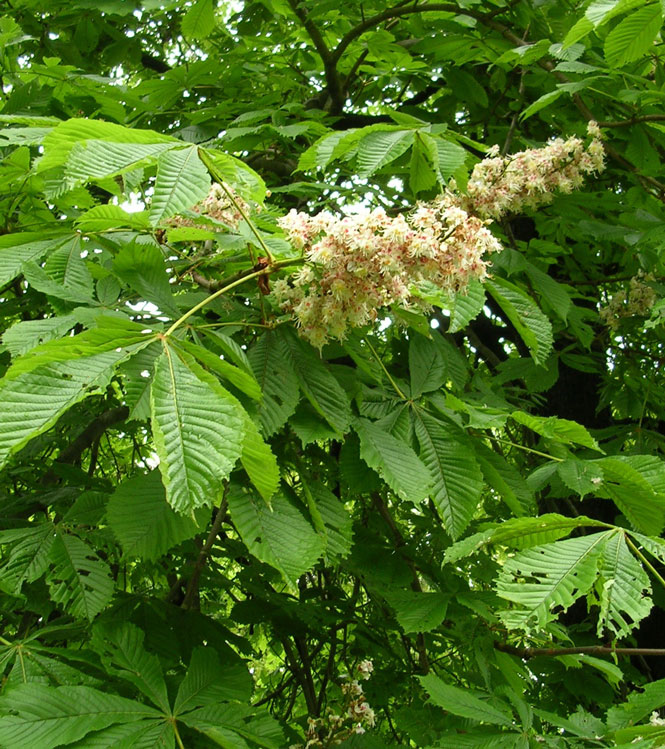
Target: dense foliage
(331,408)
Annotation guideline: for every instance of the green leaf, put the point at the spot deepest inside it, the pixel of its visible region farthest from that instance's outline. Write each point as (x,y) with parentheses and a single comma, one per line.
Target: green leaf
(394,461)
(466,306)
(228,725)
(624,589)
(47,717)
(31,402)
(198,433)
(317,383)
(632,494)
(78,579)
(279,536)
(532,325)
(337,522)
(207,682)
(28,557)
(540,103)
(99,159)
(58,144)
(379,148)
(451,158)
(424,162)
(143,521)
(269,358)
(461,702)
(637,706)
(426,365)
(632,38)
(418,612)
(120,645)
(27,334)
(547,577)
(560,430)
(104,217)
(182,181)
(199,21)
(136,376)
(37,277)
(550,291)
(458,482)
(259,461)
(141,266)
(242,380)
(24,247)
(506,481)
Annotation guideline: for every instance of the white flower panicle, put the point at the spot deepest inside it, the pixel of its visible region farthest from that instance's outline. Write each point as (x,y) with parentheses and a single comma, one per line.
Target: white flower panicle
(356,716)
(221,204)
(636,301)
(358,264)
(529,179)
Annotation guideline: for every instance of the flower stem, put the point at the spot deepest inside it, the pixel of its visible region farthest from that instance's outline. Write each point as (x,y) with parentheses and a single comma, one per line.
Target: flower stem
(220,179)
(246,277)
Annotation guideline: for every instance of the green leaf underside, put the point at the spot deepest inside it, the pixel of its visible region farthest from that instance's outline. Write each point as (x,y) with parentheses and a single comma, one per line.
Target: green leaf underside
(198,434)
(48,717)
(457,480)
(394,461)
(279,536)
(544,577)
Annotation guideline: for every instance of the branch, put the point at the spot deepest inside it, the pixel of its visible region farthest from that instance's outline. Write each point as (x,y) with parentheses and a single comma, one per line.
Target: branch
(193,583)
(582,650)
(633,120)
(335,88)
(398,10)
(72,453)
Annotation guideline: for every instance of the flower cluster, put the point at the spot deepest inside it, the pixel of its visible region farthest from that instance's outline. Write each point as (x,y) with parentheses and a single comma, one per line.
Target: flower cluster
(222,204)
(636,301)
(355,717)
(358,264)
(529,179)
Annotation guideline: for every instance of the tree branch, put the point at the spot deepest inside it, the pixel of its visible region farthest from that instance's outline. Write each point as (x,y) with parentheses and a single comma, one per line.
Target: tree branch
(334,83)
(193,584)
(582,650)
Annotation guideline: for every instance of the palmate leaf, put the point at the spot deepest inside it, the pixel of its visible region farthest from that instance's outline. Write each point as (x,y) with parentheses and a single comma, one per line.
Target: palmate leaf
(394,461)
(270,362)
(19,248)
(417,611)
(66,266)
(120,645)
(624,589)
(31,402)
(232,725)
(637,706)
(505,479)
(207,682)
(198,432)
(78,579)
(40,280)
(199,21)
(533,326)
(549,576)
(316,381)
(141,266)
(143,521)
(47,717)
(457,478)
(28,557)
(182,181)
(461,702)
(561,430)
(280,536)
(27,334)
